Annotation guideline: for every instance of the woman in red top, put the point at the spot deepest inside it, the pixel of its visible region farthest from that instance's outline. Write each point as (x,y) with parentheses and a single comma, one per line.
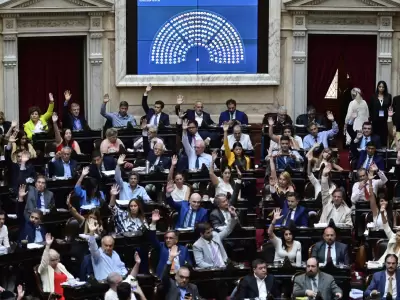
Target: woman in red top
(66,140)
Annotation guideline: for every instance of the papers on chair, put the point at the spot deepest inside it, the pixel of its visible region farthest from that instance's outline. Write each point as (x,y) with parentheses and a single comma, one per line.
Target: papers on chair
(62,210)
(73,283)
(342,225)
(371,225)
(374,265)
(139,169)
(86,236)
(109,173)
(320,225)
(185,229)
(61,178)
(12,216)
(88,206)
(391,170)
(34,246)
(130,150)
(122,202)
(356,294)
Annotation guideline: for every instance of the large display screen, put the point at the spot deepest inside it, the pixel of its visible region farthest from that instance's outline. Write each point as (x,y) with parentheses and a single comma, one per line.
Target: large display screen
(197,36)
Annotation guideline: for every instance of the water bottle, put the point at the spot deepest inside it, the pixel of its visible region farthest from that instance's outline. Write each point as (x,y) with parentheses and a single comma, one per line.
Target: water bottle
(298,258)
(134,285)
(147,167)
(46,171)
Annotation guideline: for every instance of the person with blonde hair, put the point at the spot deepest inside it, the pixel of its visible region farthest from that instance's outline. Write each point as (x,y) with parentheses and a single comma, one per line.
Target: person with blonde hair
(111,144)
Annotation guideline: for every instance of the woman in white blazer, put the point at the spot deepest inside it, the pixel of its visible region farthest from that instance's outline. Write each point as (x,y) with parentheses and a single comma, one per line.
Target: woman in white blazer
(51,271)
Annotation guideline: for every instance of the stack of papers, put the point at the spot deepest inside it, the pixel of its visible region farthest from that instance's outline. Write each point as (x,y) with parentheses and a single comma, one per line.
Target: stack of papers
(75,283)
(109,173)
(374,265)
(321,225)
(87,207)
(122,202)
(34,246)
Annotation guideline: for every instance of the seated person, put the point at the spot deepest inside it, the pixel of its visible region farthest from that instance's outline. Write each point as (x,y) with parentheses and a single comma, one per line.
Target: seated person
(197,114)
(393,135)
(393,245)
(91,194)
(155,156)
(177,289)
(131,190)
(258,285)
(320,137)
(360,191)
(192,132)
(281,118)
(311,117)
(239,137)
(72,118)
(334,205)
(30,228)
(4,240)
(62,165)
(152,139)
(114,279)
(292,212)
(296,142)
(223,185)
(285,156)
(37,122)
(195,153)
(317,182)
(361,139)
(367,157)
(154,116)
(104,260)
(181,190)
(189,212)
(280,187)
(208,250)
(235,156)
(101,163)
(385,282)
(52,272)
(314,282)
(111,144)
(165,249)
(66,140)
(324,158)
(37,197)
(19,141)
(120,118)
(329,250)
(232,114)
(287,246)
(376,205)
(126,220)
(22,171)
(4,125)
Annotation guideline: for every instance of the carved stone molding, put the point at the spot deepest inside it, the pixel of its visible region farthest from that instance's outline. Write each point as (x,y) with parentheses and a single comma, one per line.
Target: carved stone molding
(9,37)
(299,12)
(314,20)
(387,35)
(370,3)
(299,21)
(97,35)
(96,22)
(80,3)
(96,61)
(51,23)
(96,14)
(9,64)
(386,22)
(299,59)
(9,24)
(385,61)
(26,4)
(299,33)
(9,16)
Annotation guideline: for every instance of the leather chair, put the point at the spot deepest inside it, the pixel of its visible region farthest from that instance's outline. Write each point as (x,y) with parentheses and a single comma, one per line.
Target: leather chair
(396,190)
(380,248)
(310,250)
(189,246)
(39,286)
(159,293)
(172,219)
(153,257)
(267,252)
(309,191)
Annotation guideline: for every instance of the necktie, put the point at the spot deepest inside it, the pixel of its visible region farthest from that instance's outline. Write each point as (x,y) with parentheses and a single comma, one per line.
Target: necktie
(366,193)
(194,141)
(173,266)
(231,115)
(155,120)
(39,200)
(214,254)
(197,164)
(189,218)
(288,216)
(390,286)
(316,139)
(314,284)
(368,162)
(328,255)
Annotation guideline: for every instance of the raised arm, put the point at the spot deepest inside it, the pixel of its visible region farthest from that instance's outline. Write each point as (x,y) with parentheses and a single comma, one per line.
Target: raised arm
(165,278)
(214,178)
(231,224)
(118,175)
(188,149)
(50,108)
(13,126)
(46,254)
(93,248)
(145,106)
(73,211)
(114,191)
(271,134)
(168,190)
(326,196)
(228,152)
(103,112)
(57,134)
(372,200)
(277,216)
(335,129)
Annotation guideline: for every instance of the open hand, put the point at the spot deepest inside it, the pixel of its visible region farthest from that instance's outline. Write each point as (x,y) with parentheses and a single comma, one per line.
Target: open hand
(174,160)
(277,214)
(148,88)
(25,156)
(67,95)
(121,159)
(225,126)
(270,121)
(106,98)
(179,99)
(51,98)
(185,124)
(137,258)
(114,190)
(22,192)
(85,171)
(170,187)
(54,117)
(49,239)
(330,116)
(155,216)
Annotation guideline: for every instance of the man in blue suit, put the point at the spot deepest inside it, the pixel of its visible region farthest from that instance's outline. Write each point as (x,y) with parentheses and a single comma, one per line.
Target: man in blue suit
(367,157)
(101,163)
(171,238)
(293,212)
(72,118)
(154,116)
(231,114)
(383,284)
(63,165)
(190,212)
(196,114)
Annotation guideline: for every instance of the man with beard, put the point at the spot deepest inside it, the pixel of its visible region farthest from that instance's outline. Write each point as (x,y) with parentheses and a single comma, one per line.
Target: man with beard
(315,284)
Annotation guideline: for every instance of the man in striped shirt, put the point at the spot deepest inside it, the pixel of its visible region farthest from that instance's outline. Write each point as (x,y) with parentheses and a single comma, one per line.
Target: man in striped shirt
(120,118)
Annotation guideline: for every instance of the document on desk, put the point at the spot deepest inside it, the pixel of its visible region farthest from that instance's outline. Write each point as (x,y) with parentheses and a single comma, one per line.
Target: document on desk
(122,202)
(321,225)
(34,246)
(109,173)
(76,283)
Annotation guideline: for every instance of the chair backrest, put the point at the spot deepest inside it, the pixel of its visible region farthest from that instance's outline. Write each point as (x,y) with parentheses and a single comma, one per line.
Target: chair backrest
(86,267)
(268,252)
(190,251)
(38,280)
(159,293)
(309,191)
(297,274)
(380,248)
(310,250)
(154,257)
(173,218)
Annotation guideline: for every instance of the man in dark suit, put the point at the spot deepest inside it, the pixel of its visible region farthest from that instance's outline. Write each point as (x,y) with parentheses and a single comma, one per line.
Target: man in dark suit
(293,212)
(156,155)
(232,114)
(72,118)
(180,288)
(259,284)
(189,212)
(281,118)
(196,114)
(154,116)
(314,283)
(30,229)
(171,239)
(21,171)
(382,282)
(329,250)
(62,165)
(311,117)
(101,163)
(361,139)
(368,156)
(4,125)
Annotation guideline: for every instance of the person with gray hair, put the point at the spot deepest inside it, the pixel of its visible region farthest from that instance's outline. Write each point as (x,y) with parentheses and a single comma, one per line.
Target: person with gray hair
(239,136)
(52,272)
(114,279)
(111,144)
(281,118)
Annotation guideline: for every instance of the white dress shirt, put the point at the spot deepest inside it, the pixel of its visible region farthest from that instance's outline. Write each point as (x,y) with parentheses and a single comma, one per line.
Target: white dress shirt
(244,140)
(394,285)
(198,118)
(333,253)
(358,194)
(152,120)
(262,289)
(204,158)
(215,245)
(4,241)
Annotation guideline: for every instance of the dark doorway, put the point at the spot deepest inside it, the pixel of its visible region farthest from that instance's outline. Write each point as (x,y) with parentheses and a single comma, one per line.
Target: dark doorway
(50,65)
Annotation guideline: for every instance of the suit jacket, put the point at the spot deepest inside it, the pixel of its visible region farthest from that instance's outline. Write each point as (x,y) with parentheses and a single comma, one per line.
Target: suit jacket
(182,207)
(300,216)
(57,168)
(191,115)
(354,146)
(288,120)
(326,286)
(19,176)
(171,291)
(248,287)
(379,281)
(164,162)
(201,250)
(239,116)
(31,200)
(6,127)
(342,252)
(376,159)
(375,107)
(109,164)
(27,229)
(164,118)
(303,120)
(68,119)
(184,257)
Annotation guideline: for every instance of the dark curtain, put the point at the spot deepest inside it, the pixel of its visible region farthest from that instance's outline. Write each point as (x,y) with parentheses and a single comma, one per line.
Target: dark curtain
(323,60)
(49,65)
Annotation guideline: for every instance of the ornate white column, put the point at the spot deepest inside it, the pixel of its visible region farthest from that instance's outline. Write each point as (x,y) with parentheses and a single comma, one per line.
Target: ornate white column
(10,68)
(299,56)
(95,71)
(385,40)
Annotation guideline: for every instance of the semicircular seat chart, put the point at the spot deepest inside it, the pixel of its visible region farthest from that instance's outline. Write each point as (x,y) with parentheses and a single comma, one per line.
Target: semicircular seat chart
(199,28)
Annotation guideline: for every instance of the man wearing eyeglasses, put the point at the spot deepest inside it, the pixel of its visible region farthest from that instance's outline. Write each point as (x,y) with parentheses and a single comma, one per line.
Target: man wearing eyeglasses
(239,136)
(154,116)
